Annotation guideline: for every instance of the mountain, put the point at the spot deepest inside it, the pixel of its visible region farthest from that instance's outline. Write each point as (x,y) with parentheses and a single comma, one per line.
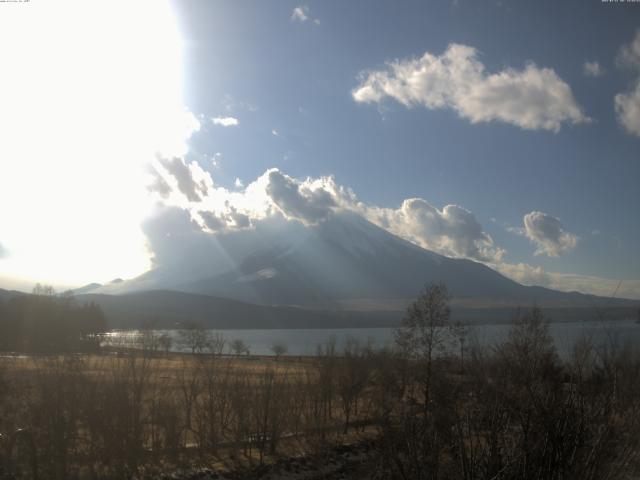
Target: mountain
(171,309)
(344,262)
(9,294)
(91,287)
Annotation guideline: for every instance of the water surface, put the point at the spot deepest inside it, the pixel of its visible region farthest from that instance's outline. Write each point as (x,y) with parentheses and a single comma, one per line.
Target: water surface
(306,341)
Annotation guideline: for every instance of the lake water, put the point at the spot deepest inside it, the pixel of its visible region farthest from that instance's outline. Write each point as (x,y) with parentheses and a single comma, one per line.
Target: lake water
(306,341)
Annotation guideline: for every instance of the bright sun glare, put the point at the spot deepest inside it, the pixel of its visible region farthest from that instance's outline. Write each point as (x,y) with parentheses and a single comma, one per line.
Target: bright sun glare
(89,92)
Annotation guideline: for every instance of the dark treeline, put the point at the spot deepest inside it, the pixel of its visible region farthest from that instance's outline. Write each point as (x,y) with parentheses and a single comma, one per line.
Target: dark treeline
(433,407)
(45,323)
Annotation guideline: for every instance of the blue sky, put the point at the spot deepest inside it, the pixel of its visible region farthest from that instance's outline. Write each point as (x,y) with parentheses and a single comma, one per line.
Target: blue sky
(480,129)
(253,61)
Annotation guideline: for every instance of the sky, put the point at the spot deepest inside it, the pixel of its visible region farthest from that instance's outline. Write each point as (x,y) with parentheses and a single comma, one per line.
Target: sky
(507,132)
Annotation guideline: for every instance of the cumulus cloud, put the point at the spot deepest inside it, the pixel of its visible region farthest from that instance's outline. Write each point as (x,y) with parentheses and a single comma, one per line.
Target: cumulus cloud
(225,121)
(592,69)
(532,98)
(452,231)
(238,183)
(301,14)
(548,234)
(237,219)
(627,107)
(211,221)
(186,178)
(627,104)
(199,236)
(302,202)
(629,54)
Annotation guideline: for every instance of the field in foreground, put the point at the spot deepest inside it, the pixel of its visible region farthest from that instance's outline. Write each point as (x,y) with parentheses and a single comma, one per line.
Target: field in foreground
(513,411)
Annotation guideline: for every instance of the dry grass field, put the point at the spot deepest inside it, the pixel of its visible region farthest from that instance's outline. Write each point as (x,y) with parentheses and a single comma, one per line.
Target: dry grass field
(513,411)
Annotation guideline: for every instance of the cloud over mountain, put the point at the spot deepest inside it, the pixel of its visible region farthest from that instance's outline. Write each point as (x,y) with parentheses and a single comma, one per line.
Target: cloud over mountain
(184,235)
(301,202)
(533,98)
(548,234)
(452,231)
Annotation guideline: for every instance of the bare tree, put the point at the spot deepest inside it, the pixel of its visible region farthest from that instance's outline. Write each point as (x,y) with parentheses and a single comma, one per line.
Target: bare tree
(422,333)
(166,342)
(238,347)
(194,337)
(279,349)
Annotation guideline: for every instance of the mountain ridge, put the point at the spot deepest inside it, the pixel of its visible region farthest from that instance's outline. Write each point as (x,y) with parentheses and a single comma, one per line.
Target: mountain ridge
(342,259)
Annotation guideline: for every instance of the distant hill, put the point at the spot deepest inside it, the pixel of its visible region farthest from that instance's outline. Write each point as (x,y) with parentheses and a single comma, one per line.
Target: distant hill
(171,309)
(7,294)
(343,272)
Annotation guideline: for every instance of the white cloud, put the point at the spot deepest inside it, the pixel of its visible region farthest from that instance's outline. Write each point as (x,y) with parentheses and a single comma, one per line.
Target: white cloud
(275,132)
(217,158)
(158,184)
(532,98)
(627,105)
(225,121)
(629,54)
(452,231)
(606,287)
(524,273)
(592,69)
(548,234)
(3,251)
(299,200)
(189,227)
(301,14)
(238,183)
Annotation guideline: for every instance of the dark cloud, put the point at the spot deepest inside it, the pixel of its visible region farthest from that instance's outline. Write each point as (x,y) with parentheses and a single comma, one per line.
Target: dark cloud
(194,191)
(240,220)
(212,221)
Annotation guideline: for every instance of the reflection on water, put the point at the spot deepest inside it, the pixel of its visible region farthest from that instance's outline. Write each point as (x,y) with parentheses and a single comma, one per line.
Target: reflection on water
(306,341)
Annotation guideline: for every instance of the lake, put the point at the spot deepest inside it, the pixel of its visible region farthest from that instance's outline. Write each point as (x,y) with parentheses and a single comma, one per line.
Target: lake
(306,341)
